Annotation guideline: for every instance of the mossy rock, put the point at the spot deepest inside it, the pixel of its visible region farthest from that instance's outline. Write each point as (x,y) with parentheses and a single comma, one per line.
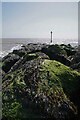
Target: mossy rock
(31,56)
(68,78)
(41,88)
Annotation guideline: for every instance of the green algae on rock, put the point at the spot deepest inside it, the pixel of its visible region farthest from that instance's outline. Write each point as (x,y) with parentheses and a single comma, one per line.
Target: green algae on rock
(40,88)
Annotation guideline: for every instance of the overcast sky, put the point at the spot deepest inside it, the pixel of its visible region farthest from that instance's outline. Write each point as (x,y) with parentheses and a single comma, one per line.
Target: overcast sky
(40,0)
(0,19)
(37,19)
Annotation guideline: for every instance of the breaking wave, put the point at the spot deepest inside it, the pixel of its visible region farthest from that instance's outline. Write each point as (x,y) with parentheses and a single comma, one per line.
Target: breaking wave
(4,53)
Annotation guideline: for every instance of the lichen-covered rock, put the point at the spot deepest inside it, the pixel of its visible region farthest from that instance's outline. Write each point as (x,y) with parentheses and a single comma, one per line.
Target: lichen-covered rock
(28,57)
(41,88)
(36,86)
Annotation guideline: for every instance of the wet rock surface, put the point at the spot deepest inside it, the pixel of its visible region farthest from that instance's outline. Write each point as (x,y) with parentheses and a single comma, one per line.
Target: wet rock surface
(37,86)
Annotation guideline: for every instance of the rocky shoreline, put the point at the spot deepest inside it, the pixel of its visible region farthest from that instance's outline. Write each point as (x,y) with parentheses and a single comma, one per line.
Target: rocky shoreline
(41,81)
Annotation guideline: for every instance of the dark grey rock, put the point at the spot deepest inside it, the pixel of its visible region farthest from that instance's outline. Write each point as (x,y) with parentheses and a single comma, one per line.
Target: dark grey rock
(9,61)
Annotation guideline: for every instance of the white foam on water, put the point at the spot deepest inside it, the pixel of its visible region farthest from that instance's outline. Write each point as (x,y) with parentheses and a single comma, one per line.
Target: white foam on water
(17,47)
(4,53)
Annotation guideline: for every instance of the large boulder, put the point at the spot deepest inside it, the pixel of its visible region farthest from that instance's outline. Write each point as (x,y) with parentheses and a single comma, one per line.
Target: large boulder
(57,52)
(76,58)
(41,88)
(76,66)
(9,61)
(75,62)
(20,52)
(69,49)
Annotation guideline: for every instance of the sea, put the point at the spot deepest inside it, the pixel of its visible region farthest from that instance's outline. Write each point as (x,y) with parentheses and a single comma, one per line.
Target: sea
(7,45)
